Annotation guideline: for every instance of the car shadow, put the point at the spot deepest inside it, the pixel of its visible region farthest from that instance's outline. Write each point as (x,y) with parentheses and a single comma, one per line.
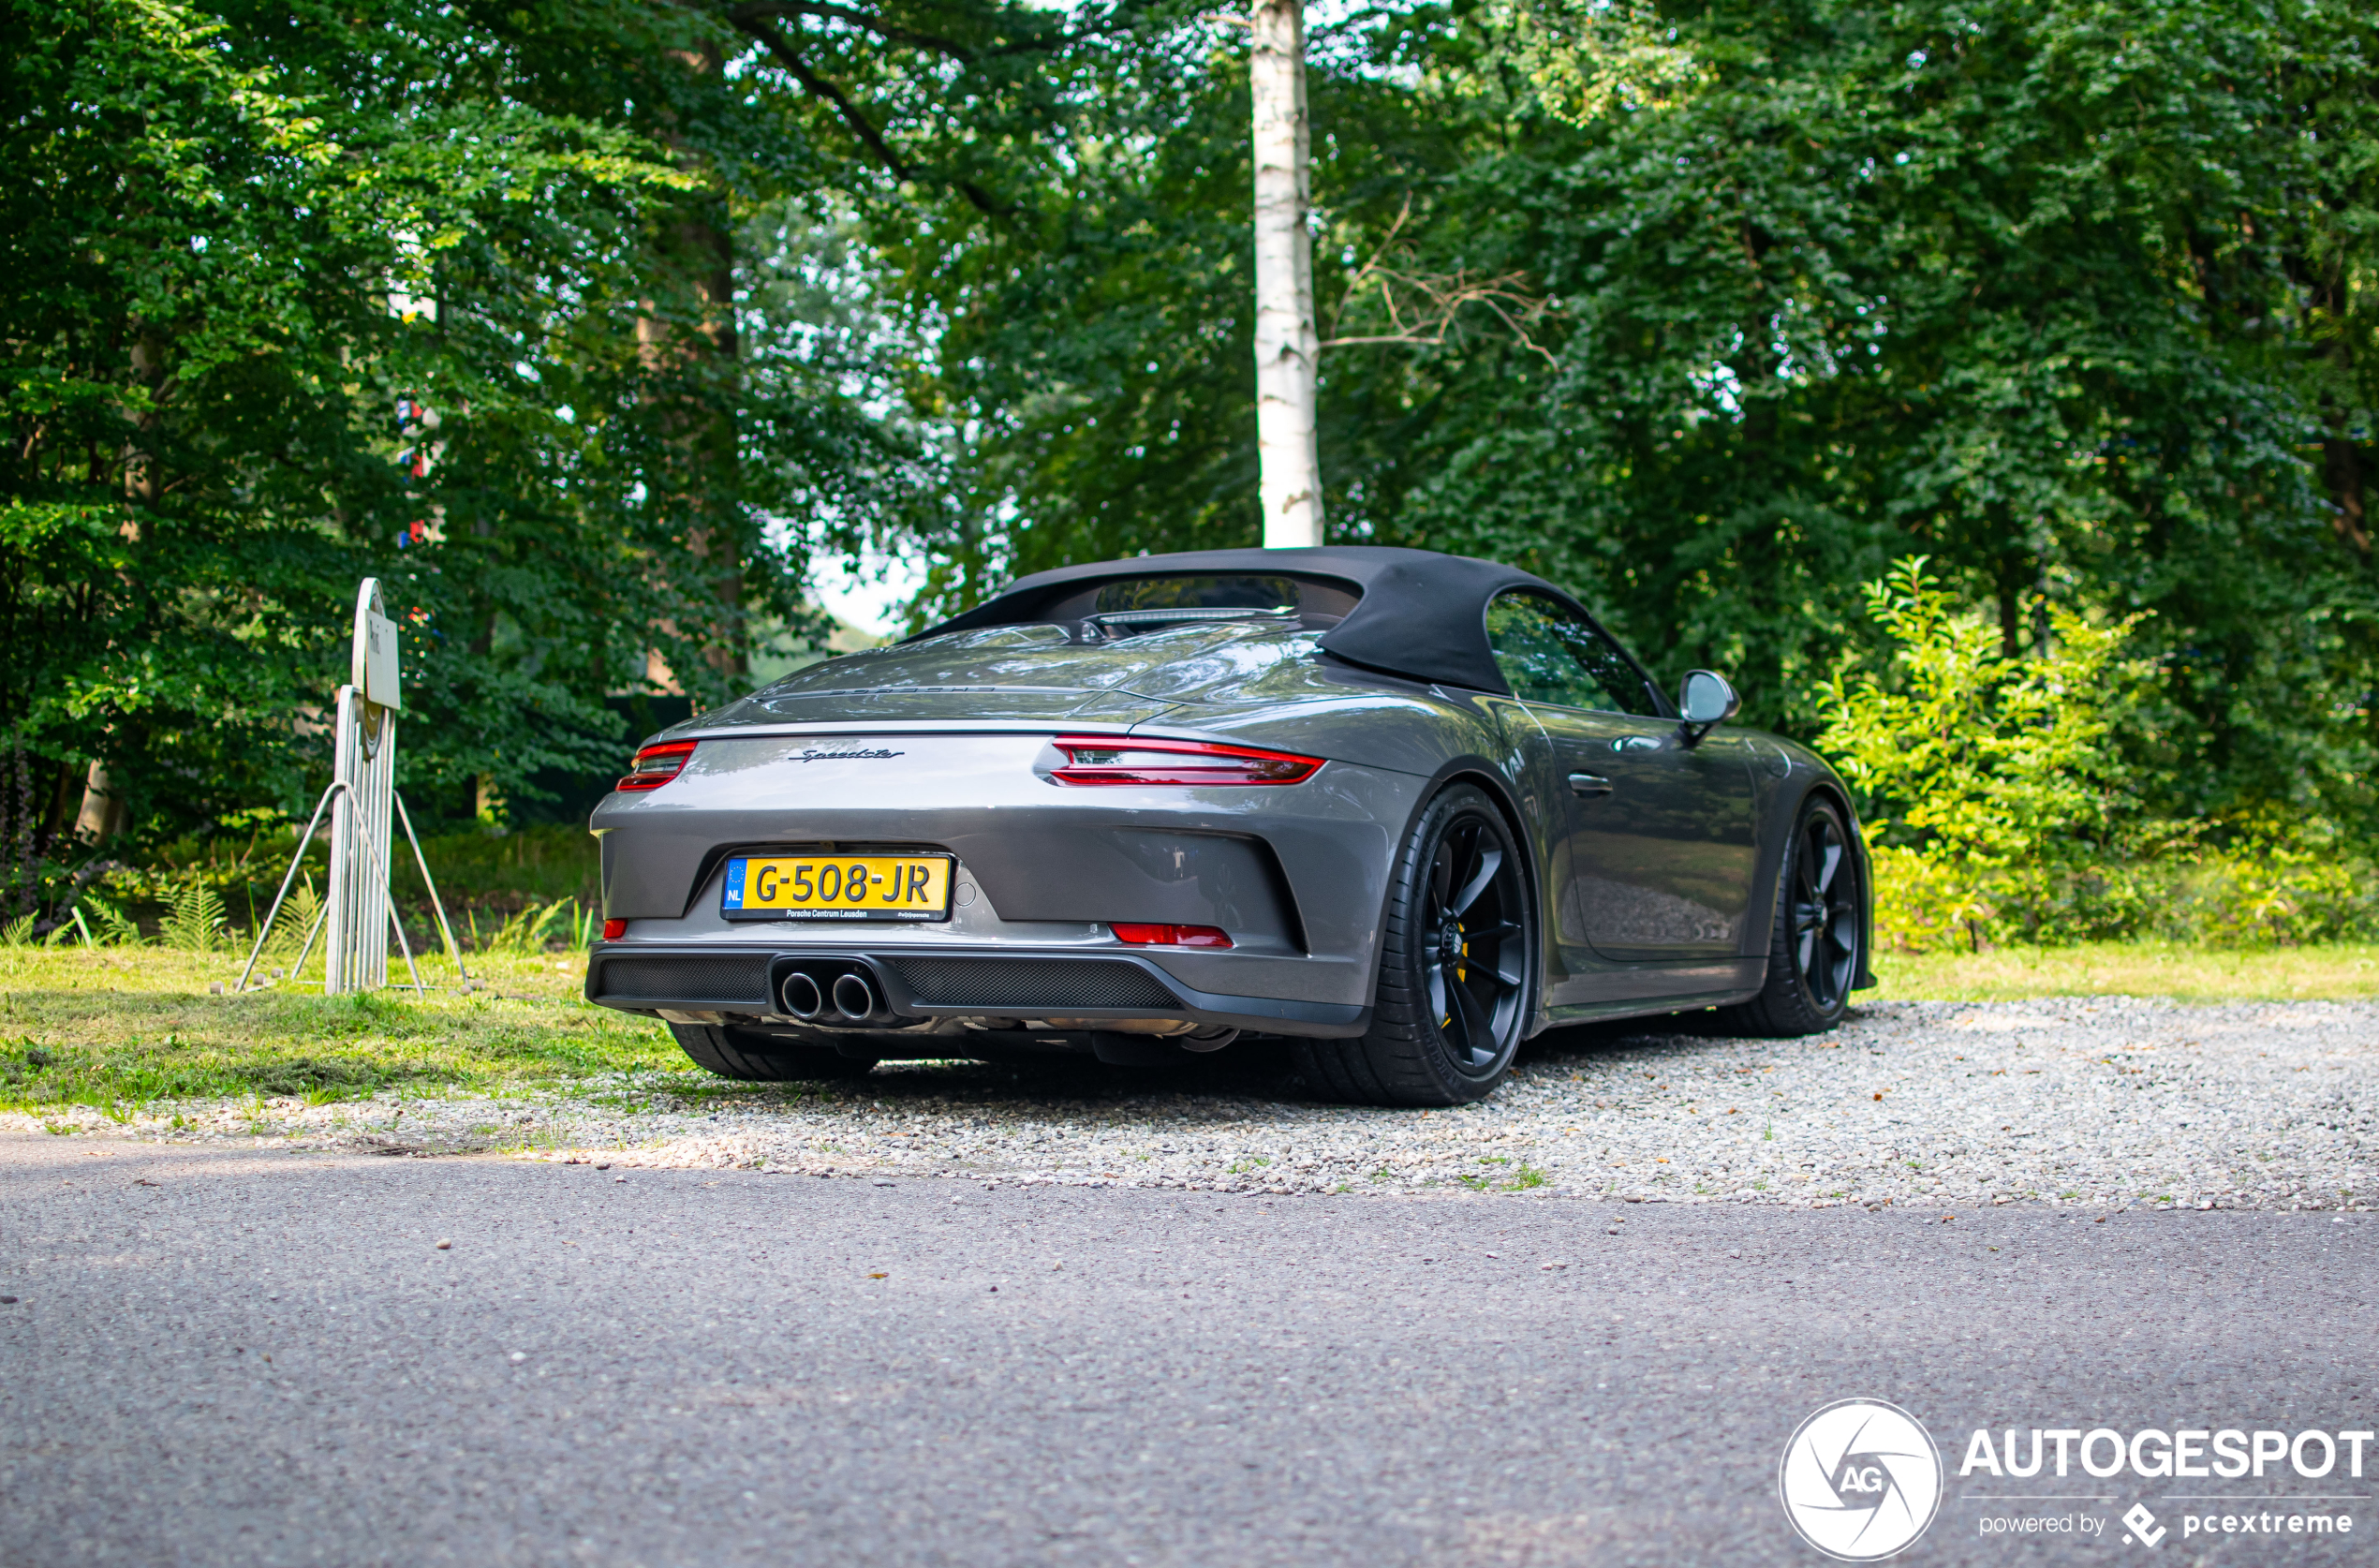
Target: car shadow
(1247,1077)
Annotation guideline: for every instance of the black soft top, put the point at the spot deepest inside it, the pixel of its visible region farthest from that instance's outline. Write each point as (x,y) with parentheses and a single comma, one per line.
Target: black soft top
(1421,614)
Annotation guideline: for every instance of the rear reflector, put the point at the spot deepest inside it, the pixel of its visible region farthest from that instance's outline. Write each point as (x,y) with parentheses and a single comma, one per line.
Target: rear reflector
(1127,760)
(614,929)
(656,765)
(1171,936)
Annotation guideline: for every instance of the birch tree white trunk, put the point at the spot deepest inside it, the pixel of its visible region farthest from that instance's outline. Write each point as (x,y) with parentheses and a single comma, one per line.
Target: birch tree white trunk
(1288,349)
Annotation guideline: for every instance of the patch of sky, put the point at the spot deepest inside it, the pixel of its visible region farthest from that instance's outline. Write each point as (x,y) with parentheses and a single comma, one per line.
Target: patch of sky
(1723,388)
(867,589)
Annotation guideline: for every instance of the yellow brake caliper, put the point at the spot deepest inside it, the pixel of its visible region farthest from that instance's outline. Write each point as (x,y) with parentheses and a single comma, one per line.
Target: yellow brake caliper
(1461,974)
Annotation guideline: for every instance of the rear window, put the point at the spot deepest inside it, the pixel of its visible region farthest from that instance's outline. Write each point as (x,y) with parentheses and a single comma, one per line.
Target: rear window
(1140,603)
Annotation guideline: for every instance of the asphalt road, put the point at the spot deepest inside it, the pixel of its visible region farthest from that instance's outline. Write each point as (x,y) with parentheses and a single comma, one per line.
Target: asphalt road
(257,1357)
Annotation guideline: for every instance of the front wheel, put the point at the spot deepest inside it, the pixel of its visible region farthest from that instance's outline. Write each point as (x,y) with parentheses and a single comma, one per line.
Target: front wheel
(1820,924)
(751,1057)
(1454,966)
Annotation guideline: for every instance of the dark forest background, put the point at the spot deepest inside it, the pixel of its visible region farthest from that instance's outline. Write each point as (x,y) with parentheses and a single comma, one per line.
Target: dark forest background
(587,326)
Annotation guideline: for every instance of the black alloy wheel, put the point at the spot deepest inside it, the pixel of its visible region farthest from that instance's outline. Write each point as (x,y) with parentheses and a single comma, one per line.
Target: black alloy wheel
(1477,973)
(1456,968)
(1826,911)
(1821,923)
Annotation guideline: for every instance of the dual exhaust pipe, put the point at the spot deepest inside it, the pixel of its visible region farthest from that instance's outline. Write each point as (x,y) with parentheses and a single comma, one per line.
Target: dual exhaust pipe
(840,993)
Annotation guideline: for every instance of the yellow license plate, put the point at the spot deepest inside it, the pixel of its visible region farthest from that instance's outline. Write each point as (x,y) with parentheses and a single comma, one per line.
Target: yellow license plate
(837,887)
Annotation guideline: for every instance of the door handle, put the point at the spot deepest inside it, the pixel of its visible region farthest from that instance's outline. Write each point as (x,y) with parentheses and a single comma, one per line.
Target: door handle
(1589,784)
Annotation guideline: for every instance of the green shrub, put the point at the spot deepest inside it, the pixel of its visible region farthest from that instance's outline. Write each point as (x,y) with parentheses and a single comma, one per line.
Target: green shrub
(1978,759)
(1999,811)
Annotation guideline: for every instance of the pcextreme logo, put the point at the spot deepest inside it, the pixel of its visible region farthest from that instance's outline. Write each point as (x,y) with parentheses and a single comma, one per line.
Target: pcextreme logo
(1860,1480)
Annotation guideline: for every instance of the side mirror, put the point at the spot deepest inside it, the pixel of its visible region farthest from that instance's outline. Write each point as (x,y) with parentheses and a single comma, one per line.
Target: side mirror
(1705,701)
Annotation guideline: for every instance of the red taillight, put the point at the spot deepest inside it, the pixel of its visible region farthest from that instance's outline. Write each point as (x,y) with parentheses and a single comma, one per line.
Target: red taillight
(656,765)
(1126,760)
(614,929)
(1171,936)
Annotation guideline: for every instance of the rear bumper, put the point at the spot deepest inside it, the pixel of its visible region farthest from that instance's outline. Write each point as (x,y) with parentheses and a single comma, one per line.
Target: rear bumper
(1296,875)
(920,985)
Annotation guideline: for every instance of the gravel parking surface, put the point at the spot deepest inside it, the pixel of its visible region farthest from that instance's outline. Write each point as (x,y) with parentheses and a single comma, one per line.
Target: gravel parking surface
(2103,1103)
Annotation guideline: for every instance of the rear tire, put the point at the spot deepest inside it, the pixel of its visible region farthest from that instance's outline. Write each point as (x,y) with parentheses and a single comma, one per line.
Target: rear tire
(1456,957)
(752,1057)
(1814,939)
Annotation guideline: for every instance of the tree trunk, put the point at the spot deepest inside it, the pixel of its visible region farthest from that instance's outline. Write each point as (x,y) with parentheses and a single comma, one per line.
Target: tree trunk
(1288,349)
(103,813)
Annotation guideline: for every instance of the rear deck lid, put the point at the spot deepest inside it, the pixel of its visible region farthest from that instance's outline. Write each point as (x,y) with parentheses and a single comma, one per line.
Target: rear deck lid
(1027,674)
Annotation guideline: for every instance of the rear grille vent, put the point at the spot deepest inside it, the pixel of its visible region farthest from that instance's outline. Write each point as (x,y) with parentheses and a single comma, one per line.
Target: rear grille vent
(1029,985)
(735,982)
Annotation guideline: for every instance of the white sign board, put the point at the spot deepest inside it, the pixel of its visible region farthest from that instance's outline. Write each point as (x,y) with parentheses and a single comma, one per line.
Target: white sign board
(375,672)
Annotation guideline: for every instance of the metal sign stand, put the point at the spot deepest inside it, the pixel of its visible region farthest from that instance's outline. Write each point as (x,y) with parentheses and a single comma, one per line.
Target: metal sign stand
(364,807)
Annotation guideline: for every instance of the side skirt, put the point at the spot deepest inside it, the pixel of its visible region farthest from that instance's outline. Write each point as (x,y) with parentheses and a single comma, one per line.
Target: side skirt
(1649,991)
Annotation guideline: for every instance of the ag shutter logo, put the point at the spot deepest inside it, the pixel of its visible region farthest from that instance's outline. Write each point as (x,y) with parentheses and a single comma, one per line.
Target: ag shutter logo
(1860,1480)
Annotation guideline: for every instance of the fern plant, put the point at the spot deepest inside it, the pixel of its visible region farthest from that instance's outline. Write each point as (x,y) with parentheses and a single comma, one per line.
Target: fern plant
(195,917)
(115,927)
(298,912)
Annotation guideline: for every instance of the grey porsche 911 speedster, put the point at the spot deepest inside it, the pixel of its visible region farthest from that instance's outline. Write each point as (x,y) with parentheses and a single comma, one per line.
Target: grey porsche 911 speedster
(1392,811)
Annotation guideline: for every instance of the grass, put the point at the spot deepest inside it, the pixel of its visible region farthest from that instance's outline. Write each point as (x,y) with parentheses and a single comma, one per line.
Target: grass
(2342,972)
(119,1028)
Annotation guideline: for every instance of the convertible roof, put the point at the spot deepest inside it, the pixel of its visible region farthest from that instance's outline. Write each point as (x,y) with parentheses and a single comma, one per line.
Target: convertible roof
(1421,614)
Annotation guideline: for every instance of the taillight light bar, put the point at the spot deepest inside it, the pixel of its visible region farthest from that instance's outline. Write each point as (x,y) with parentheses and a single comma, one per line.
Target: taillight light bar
(1133,760)
(656,765)
(1140,935)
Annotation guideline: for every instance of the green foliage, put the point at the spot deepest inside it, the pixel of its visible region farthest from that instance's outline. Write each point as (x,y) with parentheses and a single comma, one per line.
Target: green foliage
(115,927)
(295,925)
(528,931)
(195,918)
(425,293)
(2307,888)
(2000,806)
(534,865)
(1708,310)
(1978,757)
(2077,299)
